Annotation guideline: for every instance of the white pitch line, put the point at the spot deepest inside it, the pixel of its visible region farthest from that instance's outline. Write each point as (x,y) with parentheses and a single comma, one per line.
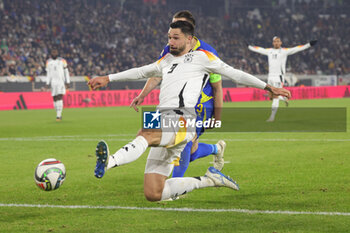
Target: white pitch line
(78,138)
(246,211)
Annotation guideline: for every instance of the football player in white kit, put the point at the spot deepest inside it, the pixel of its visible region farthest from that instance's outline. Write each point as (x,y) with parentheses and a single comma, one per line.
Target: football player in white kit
(58,78)
(277,59)
(184,73)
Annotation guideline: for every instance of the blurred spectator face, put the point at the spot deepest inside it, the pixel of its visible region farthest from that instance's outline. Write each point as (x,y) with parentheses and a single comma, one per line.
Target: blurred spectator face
(276,42)
(54,53)
(177,41)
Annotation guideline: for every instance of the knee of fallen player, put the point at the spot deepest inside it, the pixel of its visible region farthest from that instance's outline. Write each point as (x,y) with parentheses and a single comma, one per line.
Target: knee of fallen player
(152,195)
(153,186)
(153,192)
(153,136)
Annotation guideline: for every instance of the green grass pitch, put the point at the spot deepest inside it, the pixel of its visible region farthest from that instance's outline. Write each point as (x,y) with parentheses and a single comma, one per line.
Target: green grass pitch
(302,172)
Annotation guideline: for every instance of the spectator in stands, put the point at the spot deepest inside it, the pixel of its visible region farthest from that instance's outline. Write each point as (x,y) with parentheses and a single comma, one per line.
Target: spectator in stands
(95,33)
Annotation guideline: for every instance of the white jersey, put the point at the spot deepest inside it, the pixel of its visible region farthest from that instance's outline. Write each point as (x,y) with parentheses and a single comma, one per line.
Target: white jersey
(183,77)
(57,72)
(277,58)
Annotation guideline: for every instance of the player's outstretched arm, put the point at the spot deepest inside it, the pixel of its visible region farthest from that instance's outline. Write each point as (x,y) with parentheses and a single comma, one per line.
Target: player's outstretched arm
(149,86)
(299,48)
(215,65)
(258,49)
(146,71)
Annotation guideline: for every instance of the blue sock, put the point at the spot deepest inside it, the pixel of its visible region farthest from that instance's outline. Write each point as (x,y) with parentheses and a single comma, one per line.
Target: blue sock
(179,171)
(204,150)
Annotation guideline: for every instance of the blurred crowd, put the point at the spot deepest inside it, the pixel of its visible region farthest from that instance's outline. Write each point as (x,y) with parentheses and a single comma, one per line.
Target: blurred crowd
(102,37)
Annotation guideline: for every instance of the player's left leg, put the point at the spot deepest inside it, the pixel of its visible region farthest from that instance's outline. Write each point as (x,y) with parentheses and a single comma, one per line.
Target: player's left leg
(274,81)
(55,106)
(158,188)
(274,108)
(201,150)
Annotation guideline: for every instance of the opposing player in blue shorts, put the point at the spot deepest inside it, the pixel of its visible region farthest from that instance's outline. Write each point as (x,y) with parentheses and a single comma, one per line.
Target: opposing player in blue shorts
(211,99)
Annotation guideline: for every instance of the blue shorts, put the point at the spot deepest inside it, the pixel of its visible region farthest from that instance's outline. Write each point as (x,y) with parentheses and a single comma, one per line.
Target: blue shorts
(204,112)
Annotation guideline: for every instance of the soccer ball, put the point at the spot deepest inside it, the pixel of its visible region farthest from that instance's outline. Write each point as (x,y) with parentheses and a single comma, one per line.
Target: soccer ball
(49,174)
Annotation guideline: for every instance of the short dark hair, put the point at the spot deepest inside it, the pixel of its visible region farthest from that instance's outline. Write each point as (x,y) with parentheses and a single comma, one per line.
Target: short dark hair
(185,27)
(187,15)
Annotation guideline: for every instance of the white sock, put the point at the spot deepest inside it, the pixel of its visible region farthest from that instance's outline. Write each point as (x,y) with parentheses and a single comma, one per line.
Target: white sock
(174,187)
(282,98)
(55,105)
(275,104)
(59,108)
(128,153)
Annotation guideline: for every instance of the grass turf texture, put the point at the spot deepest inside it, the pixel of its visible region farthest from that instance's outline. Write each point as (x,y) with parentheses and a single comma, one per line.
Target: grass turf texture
(298,172)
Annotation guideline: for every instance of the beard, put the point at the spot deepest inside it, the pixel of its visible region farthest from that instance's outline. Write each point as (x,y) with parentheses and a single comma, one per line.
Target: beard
(177,51)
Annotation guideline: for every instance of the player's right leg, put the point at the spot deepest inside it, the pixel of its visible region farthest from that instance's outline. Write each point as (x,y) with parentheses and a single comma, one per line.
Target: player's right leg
(284,99)
(55,103)
(127,154)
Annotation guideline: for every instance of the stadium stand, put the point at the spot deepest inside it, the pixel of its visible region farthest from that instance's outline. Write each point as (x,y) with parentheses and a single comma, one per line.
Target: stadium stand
(100,37)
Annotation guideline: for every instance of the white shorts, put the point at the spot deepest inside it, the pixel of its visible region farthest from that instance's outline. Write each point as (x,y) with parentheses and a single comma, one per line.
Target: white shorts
(58,89)
(275,81)
(162,159)
(161,167)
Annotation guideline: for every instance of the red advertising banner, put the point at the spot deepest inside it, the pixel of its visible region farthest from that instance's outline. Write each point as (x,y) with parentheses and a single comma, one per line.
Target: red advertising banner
(25,100)
(253,94)
(81,99)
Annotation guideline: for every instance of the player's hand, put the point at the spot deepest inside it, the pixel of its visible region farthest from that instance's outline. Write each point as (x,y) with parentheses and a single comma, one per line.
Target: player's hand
(98,82)
(313,42)
(137,102)
(278,91)
(246,43)
(67,85)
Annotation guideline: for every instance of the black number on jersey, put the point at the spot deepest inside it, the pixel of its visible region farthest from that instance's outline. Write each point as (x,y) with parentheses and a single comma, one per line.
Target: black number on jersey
(172,68)
(274,56)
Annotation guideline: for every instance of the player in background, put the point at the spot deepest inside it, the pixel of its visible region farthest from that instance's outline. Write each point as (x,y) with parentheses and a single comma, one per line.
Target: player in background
(182,71)
(58,79)
(277,59)
(209,105)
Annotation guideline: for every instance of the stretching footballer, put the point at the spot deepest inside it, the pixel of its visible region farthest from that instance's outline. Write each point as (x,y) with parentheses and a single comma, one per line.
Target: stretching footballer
(179,93)
(209,106)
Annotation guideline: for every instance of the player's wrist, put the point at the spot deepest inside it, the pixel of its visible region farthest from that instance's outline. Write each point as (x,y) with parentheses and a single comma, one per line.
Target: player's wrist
(110,77)
(142,96)
(268,88)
